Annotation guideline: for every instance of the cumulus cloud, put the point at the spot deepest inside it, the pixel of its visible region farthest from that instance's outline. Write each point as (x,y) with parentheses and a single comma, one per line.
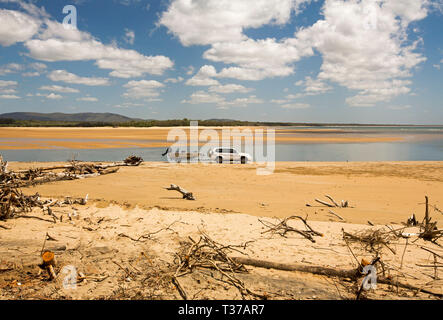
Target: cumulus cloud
(16,27)
(10,68)
(256,59)
(174,80)
(50,96)
(313,86)
(87,99)
(230,88)
(8,88)
(48,40)
(62,89)
(296,106)
(142,89)
(9,96)
(203,97)
(65,76)
(365,47)
(204,77)
(223,20)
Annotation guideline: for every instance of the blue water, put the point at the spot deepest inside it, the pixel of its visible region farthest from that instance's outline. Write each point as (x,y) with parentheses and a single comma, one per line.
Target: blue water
(431,150)
(418,144)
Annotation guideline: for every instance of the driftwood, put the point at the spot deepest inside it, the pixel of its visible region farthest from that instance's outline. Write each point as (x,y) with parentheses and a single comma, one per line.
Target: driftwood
(209,254)
(186,195)
(372,240)
(71,171)
(352,274)
(343,204)
(282,228)
(430,231)
(338,216)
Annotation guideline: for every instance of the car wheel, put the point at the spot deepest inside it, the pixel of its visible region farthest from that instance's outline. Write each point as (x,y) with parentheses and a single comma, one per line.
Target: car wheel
(243,160)
(219,159)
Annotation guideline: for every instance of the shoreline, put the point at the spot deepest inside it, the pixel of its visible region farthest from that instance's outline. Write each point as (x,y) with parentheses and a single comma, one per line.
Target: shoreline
(110,138)
(381,192)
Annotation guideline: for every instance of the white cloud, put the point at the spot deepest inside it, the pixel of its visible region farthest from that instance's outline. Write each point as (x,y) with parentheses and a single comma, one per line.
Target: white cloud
(48,40)
(128,104)
(10,68)
(5,83)
(8,88)
(257,58)
(87,99)
(9,96)
(129,36)
(204,77)
(405,107)
(365,47)
(174,80)
(56,88)
(200,97)
(56,43)
(54,96)
(16,27)
(296,106)
(223,20)
(312,87)
(436,66)
(31,74)
(230,88)
(64,76)
(241,102)
(38,66)
(279,101)
(142,89)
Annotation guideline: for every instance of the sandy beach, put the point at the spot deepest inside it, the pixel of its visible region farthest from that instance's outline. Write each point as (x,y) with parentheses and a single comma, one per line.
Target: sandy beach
(124,243)
(381,192)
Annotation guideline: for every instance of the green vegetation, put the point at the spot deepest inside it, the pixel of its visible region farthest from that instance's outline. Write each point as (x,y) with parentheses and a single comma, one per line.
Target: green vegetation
(5,122)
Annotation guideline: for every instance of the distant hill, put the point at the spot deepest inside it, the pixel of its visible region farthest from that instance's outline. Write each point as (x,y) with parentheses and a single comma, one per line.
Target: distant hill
(72,117)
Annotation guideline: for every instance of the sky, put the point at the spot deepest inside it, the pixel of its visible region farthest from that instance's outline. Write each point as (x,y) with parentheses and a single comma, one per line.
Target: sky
(327,61)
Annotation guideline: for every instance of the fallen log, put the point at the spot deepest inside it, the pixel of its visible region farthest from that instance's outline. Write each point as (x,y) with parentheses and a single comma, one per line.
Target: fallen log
(325,271)
(353,274)
(186,195)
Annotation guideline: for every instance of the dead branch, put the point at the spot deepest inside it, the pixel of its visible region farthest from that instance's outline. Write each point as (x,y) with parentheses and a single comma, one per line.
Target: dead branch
(352,274)
(338,216)
(148,236)
(282,228)
(186,195)
(372,240)
(430,231)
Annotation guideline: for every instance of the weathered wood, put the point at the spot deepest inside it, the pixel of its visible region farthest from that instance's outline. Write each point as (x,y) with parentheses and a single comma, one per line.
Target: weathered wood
(338,216)
(324,203)
(332,200)
(351,273)
(325,271)
(186,195)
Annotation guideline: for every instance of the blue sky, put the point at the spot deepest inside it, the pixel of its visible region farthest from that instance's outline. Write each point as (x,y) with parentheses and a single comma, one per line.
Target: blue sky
(359,61)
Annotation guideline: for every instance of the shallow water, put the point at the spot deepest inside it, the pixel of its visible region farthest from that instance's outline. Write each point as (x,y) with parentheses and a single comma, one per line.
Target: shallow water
(431,150)
(418,144)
